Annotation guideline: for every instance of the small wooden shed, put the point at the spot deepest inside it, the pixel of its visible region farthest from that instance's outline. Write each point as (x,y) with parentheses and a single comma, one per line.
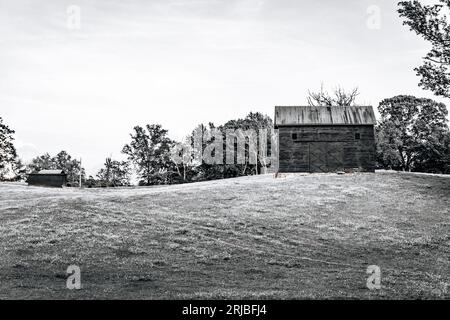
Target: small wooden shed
(326,139)
(48,178)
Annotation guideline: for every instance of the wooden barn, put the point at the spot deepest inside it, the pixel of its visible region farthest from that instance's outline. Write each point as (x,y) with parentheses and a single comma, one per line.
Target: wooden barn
(326,139)
(48,178)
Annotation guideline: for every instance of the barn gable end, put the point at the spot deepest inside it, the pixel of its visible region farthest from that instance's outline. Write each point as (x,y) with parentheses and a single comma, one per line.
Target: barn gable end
(326,139)
(48,178)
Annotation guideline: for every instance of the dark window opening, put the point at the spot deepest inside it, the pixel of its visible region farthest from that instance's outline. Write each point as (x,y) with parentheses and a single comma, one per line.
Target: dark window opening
(294,136)
(357,136)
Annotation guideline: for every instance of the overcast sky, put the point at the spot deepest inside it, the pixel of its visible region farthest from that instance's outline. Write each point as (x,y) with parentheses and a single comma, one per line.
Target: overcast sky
(182,62)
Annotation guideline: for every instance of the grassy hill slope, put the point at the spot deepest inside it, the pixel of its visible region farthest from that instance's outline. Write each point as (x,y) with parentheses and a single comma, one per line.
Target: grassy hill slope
(258,237)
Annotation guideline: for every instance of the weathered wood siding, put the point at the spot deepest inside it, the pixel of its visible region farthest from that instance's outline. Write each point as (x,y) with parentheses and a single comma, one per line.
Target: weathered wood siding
(326,148)
(48,180)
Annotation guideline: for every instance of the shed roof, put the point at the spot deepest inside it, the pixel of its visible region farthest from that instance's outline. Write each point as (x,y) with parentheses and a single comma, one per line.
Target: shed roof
(308,115)
(51,172)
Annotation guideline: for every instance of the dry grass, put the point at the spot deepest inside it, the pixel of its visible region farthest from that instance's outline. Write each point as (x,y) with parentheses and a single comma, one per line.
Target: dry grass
(296,237)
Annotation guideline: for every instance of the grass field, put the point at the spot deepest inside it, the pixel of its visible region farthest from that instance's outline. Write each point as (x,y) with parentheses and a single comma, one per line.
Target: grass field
(295,237)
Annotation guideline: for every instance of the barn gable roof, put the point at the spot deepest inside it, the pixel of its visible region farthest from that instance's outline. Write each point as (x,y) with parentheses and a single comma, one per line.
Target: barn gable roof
(308,115)
(51,172)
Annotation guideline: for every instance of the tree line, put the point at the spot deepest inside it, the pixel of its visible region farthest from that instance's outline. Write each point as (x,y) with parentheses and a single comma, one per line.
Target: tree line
(150,152)
(411,135)
(149,157)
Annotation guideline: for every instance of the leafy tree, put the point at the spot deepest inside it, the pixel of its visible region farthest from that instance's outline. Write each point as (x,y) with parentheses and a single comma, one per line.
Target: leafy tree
(431,23)
(91,182)
(434,153)
(8,154)
(412,134)
(115,173)
(106,173)
(20,170)
(183,170)
(150,151)
(204,170)
(42,162)
(340,97)
(388,143)
(71,166)
(255,122)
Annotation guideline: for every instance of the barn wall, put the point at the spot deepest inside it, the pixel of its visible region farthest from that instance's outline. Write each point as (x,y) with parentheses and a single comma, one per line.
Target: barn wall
(47,180)
(334,145)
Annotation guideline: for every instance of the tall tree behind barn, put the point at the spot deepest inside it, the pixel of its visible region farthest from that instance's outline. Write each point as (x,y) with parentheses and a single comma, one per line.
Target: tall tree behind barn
(326,139)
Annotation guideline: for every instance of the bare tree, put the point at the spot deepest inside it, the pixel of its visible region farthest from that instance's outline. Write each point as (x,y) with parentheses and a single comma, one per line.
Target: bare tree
(340,97)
